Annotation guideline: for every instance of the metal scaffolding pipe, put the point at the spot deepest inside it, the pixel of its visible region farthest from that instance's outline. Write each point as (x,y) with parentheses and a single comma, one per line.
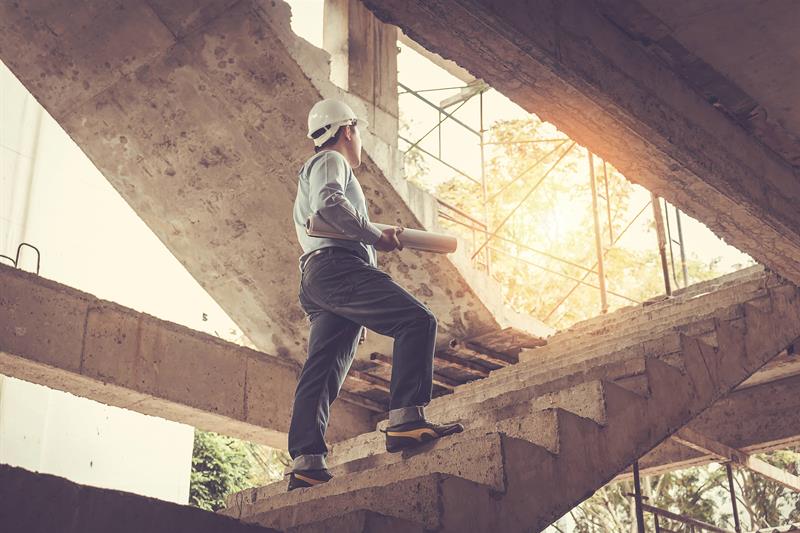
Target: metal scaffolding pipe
(608,204)
(682,247)
(442,111)
(488,257)
(637,494)
(601,273)
(732,490)
(574,287)
(536,186)
(662,241)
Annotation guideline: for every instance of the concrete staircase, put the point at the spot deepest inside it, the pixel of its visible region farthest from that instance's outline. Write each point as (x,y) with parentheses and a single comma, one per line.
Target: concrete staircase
(543,435)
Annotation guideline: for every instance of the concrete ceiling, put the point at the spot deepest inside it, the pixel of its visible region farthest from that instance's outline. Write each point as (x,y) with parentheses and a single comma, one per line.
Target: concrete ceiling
(650,95)
(742,55)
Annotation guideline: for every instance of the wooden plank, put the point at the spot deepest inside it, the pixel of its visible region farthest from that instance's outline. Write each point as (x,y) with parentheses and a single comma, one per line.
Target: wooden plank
(438,379)
(468,349)
(375,381)
(774,473)
(361,401)
(509,340)
(463,364)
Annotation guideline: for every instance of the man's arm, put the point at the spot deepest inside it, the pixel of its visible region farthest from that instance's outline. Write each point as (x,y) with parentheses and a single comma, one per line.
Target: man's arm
(326,195)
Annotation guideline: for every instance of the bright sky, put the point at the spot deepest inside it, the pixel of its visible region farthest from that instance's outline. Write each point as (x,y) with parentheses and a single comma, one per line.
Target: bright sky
(89,237)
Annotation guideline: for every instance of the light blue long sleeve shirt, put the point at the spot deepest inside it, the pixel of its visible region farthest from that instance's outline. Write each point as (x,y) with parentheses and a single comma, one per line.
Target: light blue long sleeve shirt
(327,186)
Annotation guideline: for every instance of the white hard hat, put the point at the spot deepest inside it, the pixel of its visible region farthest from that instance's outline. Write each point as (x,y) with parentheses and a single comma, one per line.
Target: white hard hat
(326,117)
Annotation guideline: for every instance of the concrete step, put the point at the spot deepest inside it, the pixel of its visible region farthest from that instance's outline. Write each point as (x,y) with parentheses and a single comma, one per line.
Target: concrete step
(652,340)
(666,346)
(533,406)
(749,277)
(588,454)
(598,357)
(669,312)
(618,365)
(584,398)
(360,522)
(386,492)
(473,455)
(369,452)
(357,454)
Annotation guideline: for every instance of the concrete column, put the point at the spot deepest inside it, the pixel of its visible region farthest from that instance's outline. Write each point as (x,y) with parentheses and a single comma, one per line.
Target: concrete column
(364,61)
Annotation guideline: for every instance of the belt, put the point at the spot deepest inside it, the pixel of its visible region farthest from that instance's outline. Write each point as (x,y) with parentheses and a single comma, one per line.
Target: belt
(327,250)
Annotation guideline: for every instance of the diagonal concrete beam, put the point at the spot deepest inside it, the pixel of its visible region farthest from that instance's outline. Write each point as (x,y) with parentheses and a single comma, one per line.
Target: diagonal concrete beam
(196,113)
(697,441)
(31,501)
(757,419)
(65,339)
(569,64)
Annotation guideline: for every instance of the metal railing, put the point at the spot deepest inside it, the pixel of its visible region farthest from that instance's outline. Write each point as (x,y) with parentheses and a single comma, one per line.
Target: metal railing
(15,260)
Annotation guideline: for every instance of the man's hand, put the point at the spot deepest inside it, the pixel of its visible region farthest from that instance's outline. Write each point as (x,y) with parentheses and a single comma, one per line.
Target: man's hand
(389,240)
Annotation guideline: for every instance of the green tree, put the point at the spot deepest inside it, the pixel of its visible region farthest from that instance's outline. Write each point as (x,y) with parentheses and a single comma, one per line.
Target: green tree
(223,465)
(546,187)
(766,503)
(700,493)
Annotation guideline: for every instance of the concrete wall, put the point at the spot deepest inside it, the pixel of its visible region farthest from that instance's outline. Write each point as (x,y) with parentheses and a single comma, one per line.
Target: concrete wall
(52,196)
(33,502)
(50,431)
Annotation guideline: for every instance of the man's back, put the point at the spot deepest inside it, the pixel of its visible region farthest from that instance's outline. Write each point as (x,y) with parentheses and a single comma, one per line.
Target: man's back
(326,183)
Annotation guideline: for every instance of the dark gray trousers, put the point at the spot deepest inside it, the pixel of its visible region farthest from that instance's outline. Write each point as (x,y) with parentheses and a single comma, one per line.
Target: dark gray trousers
(340,293)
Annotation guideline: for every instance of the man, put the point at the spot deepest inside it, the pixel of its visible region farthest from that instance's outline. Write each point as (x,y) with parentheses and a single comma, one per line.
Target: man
(342,291)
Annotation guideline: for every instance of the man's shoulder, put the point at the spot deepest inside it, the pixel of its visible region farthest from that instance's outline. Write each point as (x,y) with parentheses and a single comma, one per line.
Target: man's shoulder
(328,157)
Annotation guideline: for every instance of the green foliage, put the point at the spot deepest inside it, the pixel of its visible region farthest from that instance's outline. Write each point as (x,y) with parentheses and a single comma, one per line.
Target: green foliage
(767,503)
(223,465)
(700,493)
(552,214)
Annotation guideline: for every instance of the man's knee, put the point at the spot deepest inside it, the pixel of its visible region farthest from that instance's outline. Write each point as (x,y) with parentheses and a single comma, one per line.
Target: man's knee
(426,316)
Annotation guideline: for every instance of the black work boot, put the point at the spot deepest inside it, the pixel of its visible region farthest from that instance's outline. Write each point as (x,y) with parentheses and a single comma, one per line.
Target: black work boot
(411,434)
(300,479)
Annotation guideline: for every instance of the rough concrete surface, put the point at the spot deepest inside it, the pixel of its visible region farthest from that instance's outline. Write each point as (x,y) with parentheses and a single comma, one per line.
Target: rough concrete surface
(32,502)
(65,339)
(748,331)
(196,113)
(592,77)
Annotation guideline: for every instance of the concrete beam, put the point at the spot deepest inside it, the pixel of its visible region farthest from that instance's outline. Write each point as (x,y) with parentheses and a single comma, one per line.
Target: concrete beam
(569,64)
(41,502)
(698,441)
(756,419)
(68,340)
(196,113)
(363,54)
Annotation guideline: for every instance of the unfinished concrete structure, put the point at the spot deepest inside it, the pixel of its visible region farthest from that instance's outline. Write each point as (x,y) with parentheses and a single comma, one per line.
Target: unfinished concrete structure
(193,111)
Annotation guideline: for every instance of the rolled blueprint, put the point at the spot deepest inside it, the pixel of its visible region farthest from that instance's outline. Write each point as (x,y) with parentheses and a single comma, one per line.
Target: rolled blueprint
(425,241)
